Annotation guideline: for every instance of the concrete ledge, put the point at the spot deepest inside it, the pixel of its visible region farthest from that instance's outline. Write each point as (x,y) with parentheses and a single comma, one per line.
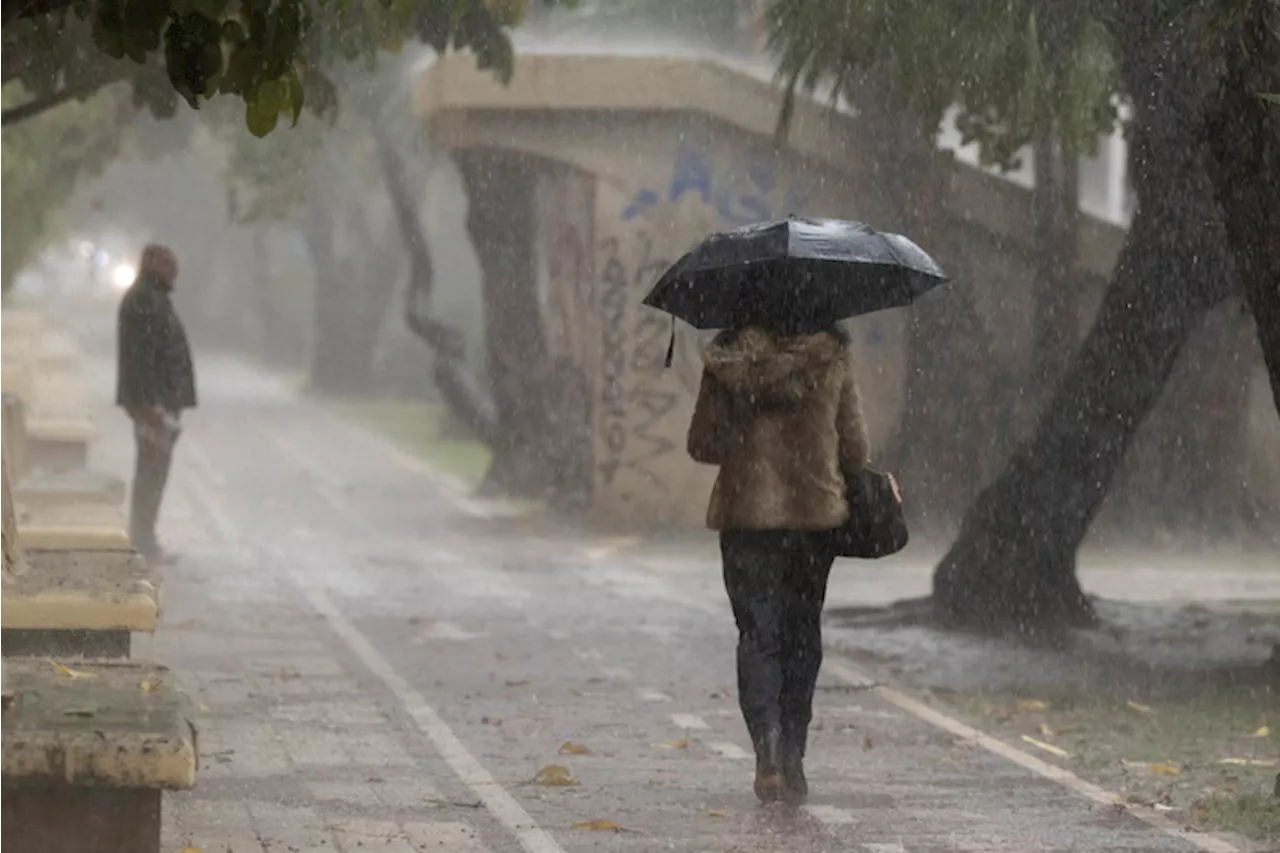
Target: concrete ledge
(106,724)
(74,538)
(60,428)
(50,488)
(82,590)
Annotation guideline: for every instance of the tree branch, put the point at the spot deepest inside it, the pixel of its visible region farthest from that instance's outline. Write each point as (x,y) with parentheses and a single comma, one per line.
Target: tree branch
(35,107)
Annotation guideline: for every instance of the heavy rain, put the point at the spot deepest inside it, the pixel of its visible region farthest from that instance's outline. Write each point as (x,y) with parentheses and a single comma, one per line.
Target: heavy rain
(714,426)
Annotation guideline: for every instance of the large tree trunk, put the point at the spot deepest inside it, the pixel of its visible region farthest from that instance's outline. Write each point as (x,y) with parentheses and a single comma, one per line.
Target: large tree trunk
(1013,565)
(453,379)
(500,222)
(1244,136)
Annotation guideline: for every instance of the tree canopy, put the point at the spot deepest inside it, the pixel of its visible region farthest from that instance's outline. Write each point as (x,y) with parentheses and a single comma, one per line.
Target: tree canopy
(274,55)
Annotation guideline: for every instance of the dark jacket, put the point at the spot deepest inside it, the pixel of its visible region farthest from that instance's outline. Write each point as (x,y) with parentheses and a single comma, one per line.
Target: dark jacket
(155,366)
(782,419)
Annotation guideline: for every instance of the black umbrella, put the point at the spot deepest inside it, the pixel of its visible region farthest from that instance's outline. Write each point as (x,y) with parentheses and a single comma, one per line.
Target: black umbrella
(796,274)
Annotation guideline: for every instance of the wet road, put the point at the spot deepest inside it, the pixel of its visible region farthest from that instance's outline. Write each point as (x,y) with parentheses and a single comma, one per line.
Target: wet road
(379,667)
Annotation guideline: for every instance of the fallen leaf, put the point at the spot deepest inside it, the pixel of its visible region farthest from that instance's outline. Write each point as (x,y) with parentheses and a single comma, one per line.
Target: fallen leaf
(597,826)
(1047,747)
(1162,769)
(84,713)
(867,742)
(571,748)
(74,674)
(682,743)
(1140,708)
(555,776)
(1264,731)
(519,682)
(717,813)
(149,686)
(1029,705)
(1046,730)
(1250,762)
(192,850)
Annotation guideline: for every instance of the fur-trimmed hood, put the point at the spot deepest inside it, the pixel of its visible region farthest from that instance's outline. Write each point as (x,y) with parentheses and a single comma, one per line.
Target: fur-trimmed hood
(768,369)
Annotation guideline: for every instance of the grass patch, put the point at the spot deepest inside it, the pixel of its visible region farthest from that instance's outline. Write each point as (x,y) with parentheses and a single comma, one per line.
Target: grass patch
(418,428)
(1251,815)
(1210,754)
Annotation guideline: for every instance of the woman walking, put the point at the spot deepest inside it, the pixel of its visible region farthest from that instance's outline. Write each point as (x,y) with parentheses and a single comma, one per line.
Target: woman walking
(779,413)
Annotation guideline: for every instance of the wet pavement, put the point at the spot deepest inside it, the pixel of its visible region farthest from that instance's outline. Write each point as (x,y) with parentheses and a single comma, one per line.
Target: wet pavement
(381,668)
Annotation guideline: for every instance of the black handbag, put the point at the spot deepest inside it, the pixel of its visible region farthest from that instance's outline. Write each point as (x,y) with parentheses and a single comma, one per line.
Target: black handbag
(877,526)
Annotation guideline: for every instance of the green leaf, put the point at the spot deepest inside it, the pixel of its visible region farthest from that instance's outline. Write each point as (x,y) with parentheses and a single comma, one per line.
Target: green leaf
(1268,96)
(260,121)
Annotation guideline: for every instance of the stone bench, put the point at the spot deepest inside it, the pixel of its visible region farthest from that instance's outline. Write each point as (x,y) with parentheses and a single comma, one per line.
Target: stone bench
(87,753)
(60,442)
(72,527)
(64,596)
(51,488)
(45,486)
(78,603)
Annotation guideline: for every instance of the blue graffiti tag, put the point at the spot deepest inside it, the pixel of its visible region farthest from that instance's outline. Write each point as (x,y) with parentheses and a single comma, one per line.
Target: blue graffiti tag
(741,195)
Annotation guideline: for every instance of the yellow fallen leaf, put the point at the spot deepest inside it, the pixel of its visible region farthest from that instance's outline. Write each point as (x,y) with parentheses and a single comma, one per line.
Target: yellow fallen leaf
(73,674)
(1029,705)
(149,686)
(1251,762)
(1046,730)
(571,748)
(1140,708)
(597,826)
(192,850)
(555,776)
(1047,747)
(717,813)
(1264,731)
(682,743)
(1161,769)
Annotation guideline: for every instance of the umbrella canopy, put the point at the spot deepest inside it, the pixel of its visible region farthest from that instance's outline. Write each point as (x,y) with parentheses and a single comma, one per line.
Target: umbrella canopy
(794,273)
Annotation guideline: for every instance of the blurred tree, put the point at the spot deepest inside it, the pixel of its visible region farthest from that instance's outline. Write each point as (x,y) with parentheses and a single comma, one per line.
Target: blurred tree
(42,161)
(272,54)
(1013,564)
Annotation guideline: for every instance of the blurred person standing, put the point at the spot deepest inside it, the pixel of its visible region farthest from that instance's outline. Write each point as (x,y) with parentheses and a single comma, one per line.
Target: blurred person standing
(155,382)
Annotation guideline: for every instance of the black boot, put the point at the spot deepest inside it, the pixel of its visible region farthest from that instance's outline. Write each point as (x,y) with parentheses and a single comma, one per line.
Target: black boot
(769,786)
(795,787)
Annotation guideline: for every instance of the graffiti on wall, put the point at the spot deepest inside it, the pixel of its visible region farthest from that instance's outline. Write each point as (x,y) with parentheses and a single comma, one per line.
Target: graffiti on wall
(643,407)
(634,345)
(742,191)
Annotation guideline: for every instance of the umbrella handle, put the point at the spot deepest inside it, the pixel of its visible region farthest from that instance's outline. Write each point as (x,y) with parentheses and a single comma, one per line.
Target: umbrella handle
(671,345)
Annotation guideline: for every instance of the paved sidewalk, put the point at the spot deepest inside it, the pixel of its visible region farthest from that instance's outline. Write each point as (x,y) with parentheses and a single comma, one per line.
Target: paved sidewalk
(377,670)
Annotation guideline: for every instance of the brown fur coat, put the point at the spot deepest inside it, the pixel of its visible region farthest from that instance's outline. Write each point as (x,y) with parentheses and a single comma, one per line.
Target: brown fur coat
(782,419)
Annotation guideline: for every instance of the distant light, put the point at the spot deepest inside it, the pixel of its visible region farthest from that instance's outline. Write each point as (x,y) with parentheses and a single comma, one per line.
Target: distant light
(123,275)
(86,249)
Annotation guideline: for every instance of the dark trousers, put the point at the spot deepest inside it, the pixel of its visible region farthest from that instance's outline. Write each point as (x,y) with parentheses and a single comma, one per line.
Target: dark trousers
(150,473)
(777,582)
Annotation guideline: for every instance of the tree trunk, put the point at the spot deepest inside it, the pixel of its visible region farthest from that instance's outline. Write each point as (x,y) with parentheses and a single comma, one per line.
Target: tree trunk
(1013,566)
(349,307)
(499,220)
(452,378)
(1244,137)
(1056,200)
